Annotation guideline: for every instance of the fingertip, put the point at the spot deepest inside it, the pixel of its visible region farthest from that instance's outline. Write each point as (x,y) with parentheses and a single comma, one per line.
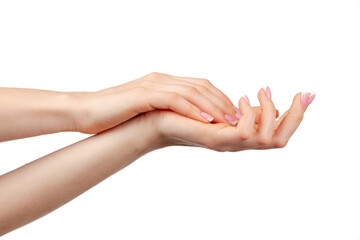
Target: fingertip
(311,98)
(261,91)
(297,100)
(207,117)
(305,98)
(245,100)
(238,112)
(239,102)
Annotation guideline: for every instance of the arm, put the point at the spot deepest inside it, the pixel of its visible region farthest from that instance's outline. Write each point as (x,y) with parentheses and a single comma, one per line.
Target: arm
(39,187)
(32,112)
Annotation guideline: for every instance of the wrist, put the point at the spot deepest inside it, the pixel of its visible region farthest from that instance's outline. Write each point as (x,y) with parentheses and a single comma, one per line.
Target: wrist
(95,112)
(141,134)
(149,130)
(76,110)
(157,121)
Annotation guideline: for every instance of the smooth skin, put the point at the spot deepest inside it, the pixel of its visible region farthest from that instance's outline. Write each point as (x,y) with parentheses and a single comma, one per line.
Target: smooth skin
(43,185)
(35,112)
(32,112)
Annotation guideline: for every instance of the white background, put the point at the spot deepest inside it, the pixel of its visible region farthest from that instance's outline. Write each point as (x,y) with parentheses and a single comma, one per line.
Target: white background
(308,190)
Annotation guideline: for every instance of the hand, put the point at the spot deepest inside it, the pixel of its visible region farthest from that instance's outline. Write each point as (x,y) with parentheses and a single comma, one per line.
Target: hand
(255,130)
(62,175)
(194,98)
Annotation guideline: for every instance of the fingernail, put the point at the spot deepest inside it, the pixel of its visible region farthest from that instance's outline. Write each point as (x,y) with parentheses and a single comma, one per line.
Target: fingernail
(246,99)
(267,91)
(238,113)
(207,116)
(230,119)
(304,98)
(311,98)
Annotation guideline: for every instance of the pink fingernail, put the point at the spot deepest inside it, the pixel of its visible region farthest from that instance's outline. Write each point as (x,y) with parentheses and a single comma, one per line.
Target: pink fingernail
(238,113)
(207,116)
(304,98)
(311,98)
(230,119)
(267,91)
(246,99)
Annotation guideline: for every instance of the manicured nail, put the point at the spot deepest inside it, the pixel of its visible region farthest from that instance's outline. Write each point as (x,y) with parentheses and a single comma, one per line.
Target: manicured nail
(304,98)
(311,98)
(207,116)
(238,113)
(267,91)
(230,119)
(246,99)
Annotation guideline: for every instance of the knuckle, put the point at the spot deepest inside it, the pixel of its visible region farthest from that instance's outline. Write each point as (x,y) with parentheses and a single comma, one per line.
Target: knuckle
(153,75)
(280,143)
(244,135)
(221,149)
(211,144)
(270,111)
(264,140)
(192,90)
(211,141)
(172,97)
(273,110)
(203,89)
(204,81)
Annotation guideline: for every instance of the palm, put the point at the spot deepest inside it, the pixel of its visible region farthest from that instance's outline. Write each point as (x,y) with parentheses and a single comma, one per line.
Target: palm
(247,134)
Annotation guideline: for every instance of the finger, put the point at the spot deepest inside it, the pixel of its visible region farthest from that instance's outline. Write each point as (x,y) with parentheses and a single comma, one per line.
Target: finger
(258,111)
(277,122)
(208,84)
(245,126)
(197,98)
(194,133)
(221,99)
(178,104)
(267,118)
(231,113)
(292,120)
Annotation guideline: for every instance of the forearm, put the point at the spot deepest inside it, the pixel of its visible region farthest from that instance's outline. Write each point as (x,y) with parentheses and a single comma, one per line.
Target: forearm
(35,189)
(32,112)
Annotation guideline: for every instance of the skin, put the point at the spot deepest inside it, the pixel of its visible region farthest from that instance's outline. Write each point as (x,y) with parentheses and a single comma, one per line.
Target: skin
(32,112)
(35,112)
(61,176)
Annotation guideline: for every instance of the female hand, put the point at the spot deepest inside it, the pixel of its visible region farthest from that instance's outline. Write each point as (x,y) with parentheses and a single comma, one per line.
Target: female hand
(62,175)
(33,112)
(194,98)
(255,129)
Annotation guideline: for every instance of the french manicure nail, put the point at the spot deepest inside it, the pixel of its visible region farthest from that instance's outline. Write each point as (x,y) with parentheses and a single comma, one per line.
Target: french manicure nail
(230,119)
(238,113)
(267,91)
(311,98)
(207,116)
(304,98)
(246,99)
